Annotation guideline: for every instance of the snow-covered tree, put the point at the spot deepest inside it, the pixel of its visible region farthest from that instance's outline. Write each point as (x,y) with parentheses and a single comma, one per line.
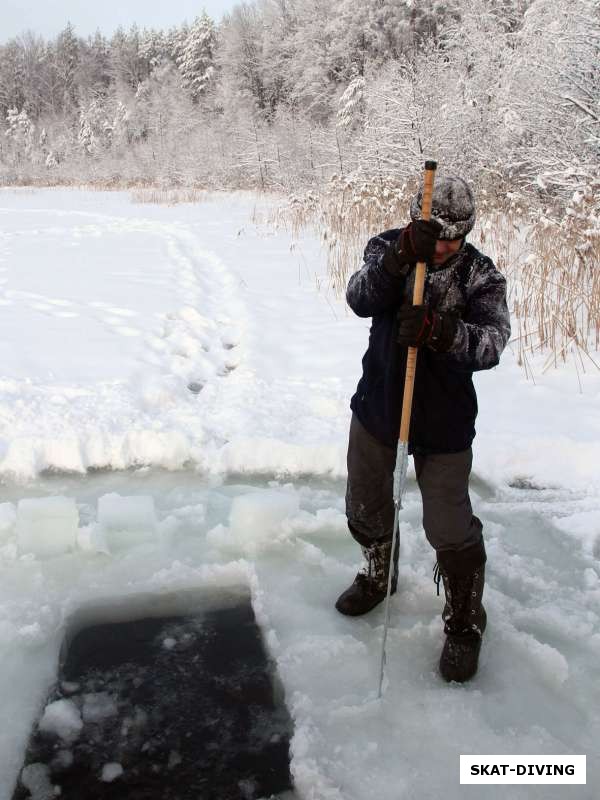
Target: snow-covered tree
(65,65)
(127,65)
(351,106)
(153,49)
(20,134)
(12,73)
(93,125)
(552,97)
(94,74)
(240,58)
(196,62)
(33,72)
(175,40)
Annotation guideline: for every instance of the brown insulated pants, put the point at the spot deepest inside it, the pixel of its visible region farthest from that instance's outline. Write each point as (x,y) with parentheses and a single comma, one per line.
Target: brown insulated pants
(443,479)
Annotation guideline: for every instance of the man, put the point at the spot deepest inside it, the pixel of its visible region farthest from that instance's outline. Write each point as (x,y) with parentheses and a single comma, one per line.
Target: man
(462,326)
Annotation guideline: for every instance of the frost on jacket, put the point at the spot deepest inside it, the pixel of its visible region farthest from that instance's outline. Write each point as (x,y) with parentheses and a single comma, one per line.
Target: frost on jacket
(469,286)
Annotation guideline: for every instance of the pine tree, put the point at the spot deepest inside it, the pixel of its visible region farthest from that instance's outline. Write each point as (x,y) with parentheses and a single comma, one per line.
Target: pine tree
(153,50)
(175,41)
(196,61)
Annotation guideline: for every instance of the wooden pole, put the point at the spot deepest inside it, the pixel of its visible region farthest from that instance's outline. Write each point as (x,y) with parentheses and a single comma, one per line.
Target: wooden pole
(411,360)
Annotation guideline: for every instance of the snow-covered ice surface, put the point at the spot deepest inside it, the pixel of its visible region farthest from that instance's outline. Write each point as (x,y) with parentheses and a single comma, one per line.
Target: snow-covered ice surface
(109,310)
(116,308)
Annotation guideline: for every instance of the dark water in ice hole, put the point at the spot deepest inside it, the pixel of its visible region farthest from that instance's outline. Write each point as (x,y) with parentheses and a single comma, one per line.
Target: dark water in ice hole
(197,711)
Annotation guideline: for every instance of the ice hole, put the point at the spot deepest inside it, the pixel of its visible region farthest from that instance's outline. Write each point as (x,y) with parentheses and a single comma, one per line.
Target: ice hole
(173,696)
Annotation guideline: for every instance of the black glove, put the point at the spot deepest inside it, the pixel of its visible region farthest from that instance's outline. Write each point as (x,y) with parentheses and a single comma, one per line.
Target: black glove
(421,239)
(419,325)
(415,243)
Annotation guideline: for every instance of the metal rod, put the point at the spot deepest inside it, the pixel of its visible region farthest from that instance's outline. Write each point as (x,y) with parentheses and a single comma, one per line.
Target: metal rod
(399,484)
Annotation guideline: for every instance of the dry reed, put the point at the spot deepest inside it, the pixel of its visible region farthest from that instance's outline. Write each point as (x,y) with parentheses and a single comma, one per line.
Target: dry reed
(551,262)
(169,197)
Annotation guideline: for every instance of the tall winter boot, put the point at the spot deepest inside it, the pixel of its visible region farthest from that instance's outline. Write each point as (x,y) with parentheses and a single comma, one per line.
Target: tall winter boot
(370,585)
(463,574)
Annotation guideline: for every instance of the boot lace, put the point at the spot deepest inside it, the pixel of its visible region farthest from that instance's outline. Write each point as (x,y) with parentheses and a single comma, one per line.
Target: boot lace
(460,593)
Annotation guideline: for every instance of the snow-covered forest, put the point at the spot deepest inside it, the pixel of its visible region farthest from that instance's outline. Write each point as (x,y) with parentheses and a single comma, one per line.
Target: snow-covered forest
(284,94)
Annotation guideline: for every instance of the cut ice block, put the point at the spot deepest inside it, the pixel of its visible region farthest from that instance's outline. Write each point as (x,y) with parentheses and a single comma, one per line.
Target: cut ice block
(47,526)
(126,521)
(258,514)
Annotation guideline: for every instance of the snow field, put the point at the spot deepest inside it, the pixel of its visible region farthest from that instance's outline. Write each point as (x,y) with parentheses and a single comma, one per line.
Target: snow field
(243,485)
(146,311)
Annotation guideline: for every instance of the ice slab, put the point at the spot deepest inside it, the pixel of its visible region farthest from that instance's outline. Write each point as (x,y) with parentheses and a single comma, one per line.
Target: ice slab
(47,526)
(126,521)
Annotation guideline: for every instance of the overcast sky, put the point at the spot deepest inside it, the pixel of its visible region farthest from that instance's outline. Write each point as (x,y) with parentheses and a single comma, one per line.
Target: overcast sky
(48,17)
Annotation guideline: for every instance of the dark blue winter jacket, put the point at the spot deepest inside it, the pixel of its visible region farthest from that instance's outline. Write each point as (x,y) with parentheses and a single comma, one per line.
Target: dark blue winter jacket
(444,404)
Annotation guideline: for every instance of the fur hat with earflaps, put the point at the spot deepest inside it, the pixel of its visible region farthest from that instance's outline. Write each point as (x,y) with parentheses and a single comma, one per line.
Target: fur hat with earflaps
(453,206)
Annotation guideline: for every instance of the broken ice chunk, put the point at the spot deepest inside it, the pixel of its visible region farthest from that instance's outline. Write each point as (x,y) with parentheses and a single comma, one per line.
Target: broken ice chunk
(36,779)
(62,719)
(110,772)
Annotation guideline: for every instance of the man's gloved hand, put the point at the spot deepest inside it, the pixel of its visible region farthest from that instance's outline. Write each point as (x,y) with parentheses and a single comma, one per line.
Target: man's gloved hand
(415,243)
(419,325)
(421,236)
